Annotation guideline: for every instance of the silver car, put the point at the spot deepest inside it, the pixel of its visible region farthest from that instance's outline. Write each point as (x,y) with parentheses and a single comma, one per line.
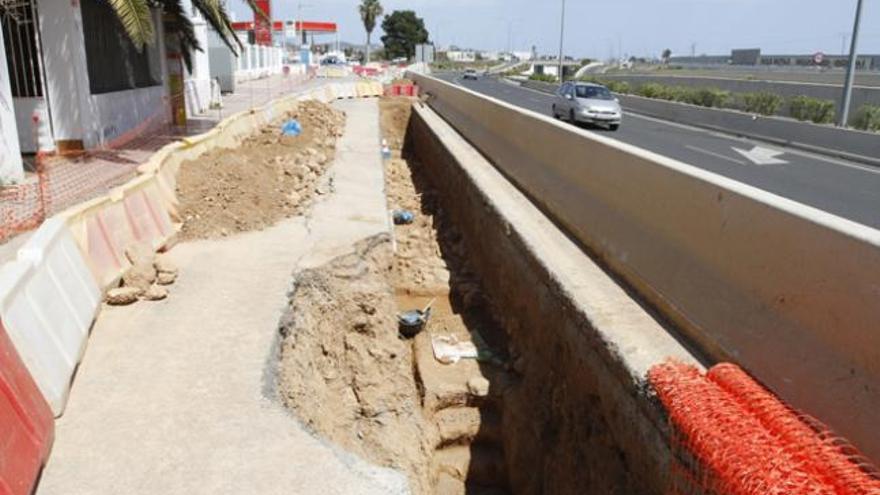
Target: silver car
(471,74)
(589,104)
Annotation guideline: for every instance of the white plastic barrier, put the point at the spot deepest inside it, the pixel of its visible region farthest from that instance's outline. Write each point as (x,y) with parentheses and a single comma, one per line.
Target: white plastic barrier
(347,90)
(48,300)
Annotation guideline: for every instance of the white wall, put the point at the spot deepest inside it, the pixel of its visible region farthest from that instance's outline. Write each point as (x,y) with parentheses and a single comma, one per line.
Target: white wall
(11,169)
(198,82)
(122,114)
(25,109)
(64,59)
(96,120)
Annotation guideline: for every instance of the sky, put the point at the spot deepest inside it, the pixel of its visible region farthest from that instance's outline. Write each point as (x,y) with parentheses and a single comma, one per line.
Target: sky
(604,28)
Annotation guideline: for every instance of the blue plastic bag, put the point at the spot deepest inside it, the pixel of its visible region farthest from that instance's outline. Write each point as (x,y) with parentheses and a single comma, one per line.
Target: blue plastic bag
(291,128)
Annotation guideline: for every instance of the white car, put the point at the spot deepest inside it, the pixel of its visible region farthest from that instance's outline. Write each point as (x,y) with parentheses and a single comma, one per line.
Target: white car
(471,74)
(589,104)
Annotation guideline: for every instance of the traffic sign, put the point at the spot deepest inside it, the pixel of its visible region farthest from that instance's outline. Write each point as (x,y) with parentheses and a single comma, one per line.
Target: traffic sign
(819,58)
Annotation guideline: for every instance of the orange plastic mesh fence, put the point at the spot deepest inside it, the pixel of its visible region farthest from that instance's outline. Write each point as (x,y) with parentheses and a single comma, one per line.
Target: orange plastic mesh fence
(23,206)
(732,436)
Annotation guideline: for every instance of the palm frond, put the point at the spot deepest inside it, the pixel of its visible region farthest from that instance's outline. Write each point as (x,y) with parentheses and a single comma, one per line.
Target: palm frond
(215,14)
(370,10)
(137,20)
(182,26)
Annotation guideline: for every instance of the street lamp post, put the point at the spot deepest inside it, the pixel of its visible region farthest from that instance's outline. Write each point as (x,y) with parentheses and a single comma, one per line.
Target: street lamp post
(561,41)
(851,70)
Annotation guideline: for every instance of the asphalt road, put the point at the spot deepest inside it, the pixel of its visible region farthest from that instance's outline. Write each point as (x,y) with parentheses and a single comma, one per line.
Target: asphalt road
(848,189)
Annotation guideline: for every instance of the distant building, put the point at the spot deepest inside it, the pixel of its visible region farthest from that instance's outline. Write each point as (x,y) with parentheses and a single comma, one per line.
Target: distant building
(754,58)
(551,68)
(461,56)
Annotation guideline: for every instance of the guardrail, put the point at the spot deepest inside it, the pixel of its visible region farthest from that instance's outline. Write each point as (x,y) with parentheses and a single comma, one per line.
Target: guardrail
(850,144)
(787,291)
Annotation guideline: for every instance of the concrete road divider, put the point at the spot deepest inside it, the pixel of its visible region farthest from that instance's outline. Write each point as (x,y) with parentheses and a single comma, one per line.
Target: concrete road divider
(48,300)
(785,290)
(26,424)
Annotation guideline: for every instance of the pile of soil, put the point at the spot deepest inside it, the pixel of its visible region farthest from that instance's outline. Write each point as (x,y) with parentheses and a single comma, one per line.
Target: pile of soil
(267,178)
(345,372)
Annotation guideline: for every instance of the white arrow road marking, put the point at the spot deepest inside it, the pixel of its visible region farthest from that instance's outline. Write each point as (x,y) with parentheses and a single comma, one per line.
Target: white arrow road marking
(762,156)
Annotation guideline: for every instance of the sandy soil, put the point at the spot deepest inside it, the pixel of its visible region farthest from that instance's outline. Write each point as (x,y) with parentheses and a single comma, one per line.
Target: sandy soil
(344,369)
(268,178)
(345,372)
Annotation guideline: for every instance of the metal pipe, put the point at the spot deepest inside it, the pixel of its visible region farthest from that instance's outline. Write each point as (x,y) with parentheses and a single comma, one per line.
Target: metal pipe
(851,71)
(561,41)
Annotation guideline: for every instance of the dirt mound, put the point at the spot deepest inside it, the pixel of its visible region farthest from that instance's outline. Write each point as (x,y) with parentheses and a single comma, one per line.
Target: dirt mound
(344,370)
(267,178)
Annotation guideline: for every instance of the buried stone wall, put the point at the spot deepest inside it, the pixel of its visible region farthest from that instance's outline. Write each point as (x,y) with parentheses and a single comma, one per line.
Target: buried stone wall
(577,418)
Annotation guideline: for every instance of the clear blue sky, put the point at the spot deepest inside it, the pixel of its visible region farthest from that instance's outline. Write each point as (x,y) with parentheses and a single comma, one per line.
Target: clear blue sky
(595,28)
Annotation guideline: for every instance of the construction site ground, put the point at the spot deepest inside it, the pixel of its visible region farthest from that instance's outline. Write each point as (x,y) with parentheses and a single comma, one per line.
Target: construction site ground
(74,179)
(179,397)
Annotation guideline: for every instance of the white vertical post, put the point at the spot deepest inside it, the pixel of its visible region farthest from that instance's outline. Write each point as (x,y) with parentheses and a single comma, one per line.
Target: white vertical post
(11,167)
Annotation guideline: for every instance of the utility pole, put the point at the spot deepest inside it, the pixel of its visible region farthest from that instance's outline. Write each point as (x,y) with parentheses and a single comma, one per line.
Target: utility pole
(851,71)
(561,41)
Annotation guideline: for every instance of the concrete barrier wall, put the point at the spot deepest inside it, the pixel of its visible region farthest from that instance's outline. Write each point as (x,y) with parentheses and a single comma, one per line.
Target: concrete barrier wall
(581,345)
(785,290)
(826,139)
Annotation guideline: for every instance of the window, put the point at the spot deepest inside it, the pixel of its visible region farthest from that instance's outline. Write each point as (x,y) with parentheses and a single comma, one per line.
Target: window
(594,93)
(22,57)
(114,64)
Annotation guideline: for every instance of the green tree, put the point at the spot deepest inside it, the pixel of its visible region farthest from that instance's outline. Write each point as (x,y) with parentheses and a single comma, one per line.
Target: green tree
(137,20)
(370,10)
(667,54)
(403,31)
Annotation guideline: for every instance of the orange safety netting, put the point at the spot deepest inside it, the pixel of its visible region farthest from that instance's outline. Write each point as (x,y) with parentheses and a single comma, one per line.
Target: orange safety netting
(735,437)
(23,206)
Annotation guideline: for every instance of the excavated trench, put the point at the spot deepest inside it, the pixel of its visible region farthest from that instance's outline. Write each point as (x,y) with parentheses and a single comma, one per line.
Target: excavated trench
(467,406)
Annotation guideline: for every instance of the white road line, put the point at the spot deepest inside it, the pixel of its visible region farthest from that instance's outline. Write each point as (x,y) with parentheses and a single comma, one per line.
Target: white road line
(793,151)
(716,155)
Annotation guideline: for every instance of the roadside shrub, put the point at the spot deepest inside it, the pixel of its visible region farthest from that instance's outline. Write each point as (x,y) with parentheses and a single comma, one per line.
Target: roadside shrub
(621,87)
(705,97)
(762,103)
(868,118)
(812,109)
(543,78)
(651,90)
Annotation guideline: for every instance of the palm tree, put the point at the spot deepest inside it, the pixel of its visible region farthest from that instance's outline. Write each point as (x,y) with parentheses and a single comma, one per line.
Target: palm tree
(370,11)
(137,20)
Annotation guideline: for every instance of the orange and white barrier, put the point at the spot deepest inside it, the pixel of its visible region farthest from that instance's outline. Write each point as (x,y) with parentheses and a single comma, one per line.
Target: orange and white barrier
(132,214)
(48,300)
(26,424)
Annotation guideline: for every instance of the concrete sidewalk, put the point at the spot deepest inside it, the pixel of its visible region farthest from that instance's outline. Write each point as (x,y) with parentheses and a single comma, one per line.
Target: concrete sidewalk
(178,397)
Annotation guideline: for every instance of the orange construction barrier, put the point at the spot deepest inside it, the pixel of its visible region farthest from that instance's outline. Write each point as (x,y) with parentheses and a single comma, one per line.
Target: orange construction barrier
(26,424)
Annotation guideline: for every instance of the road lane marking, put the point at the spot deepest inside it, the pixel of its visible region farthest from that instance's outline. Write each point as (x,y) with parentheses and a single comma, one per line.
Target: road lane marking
(762,156)
(733,137)
(716,155)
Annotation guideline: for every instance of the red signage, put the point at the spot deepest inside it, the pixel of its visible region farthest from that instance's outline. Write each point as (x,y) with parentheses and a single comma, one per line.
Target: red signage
(262,29)
(277,26)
